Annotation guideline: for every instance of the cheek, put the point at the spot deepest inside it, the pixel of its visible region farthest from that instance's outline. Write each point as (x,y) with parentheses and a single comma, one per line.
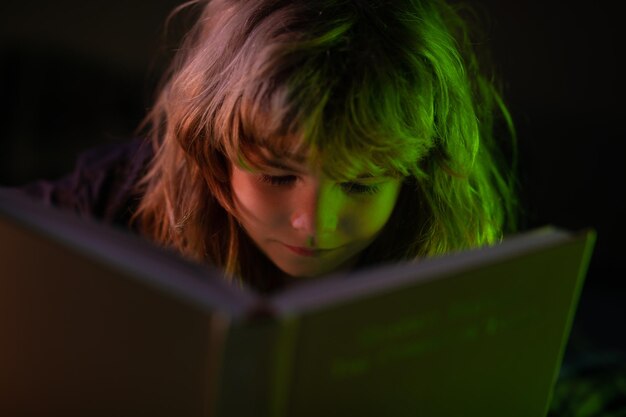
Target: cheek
(255,204)
(368,219)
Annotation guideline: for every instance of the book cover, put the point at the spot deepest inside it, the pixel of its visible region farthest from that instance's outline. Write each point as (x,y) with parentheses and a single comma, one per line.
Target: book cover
(100,322)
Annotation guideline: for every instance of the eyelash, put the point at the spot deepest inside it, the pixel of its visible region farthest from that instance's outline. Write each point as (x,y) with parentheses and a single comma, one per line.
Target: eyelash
(356,188)
(348,187)
(278,180)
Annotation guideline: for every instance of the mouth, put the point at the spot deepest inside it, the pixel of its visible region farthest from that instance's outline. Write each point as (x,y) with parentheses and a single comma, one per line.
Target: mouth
(298,250)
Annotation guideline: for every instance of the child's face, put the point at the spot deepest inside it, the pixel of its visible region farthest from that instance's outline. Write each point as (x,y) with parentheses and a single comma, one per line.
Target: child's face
(306,223)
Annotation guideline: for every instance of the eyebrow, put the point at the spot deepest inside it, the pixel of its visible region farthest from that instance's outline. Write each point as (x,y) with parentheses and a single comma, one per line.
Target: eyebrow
(278,164)
(274,163)
(269,158)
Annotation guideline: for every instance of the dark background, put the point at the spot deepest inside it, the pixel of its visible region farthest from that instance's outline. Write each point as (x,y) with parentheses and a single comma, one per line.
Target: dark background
(77,73)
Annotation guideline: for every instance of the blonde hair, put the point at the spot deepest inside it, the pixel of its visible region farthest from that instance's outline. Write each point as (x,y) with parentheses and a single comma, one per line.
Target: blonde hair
(394,85)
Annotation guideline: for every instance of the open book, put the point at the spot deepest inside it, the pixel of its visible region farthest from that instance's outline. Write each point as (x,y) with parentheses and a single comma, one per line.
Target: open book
(98,322)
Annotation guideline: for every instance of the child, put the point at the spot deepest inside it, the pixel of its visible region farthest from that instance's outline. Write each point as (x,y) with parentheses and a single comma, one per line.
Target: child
(296,138)
(292,139)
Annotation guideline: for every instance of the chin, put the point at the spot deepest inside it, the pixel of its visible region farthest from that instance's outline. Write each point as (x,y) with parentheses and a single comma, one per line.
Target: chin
(299,273)
(304,272)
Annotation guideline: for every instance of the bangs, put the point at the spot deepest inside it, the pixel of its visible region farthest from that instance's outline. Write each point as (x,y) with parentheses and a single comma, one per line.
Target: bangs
(363,129)
(352,109)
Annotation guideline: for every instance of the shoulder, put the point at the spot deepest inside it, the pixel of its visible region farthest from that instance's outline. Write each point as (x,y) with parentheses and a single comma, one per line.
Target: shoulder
(102,183)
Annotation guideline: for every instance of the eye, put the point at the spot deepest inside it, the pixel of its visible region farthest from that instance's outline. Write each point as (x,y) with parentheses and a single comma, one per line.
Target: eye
(358,188)
(278,180)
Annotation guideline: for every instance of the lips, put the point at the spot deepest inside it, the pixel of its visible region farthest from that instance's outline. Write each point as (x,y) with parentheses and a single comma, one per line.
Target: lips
(298,250)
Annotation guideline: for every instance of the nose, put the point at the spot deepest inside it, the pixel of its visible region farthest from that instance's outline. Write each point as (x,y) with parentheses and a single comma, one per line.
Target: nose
(316,210)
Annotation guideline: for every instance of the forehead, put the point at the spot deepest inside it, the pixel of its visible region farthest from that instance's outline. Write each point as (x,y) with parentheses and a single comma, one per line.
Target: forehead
(311,160)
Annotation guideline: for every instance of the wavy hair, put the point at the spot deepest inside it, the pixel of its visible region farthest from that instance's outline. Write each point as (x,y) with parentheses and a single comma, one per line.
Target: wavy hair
(394,85)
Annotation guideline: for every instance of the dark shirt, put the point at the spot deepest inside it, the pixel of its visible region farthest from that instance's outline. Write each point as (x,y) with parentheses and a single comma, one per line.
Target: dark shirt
(102,184)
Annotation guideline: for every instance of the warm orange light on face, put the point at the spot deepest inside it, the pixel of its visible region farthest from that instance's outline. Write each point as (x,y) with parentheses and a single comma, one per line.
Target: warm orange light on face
(306,223)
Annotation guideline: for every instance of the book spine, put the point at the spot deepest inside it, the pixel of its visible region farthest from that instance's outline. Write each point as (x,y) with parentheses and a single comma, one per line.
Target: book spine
(255,368)
(218,332)
(283,359)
